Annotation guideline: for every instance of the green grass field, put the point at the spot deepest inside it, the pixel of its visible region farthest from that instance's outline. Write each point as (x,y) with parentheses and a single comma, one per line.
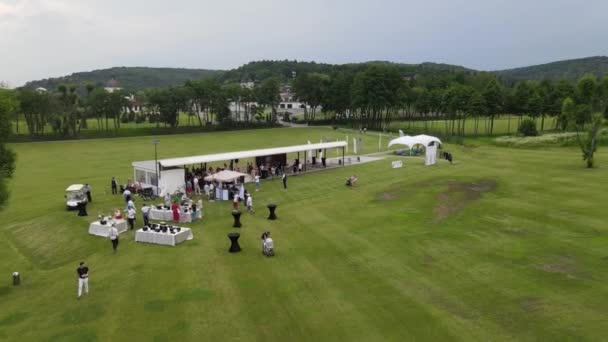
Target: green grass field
(505,124)
(502,245)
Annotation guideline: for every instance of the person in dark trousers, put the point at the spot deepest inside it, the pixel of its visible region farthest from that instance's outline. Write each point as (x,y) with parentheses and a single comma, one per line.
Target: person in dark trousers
(284,180)
(87,189)
(114,184)
(131,217)
(145,210)
(83,279)
(113,236)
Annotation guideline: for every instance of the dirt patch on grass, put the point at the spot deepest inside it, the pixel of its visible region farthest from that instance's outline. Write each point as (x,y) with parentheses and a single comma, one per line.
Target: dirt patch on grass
(530,304)
(563,265)
(387,196)
(458,195)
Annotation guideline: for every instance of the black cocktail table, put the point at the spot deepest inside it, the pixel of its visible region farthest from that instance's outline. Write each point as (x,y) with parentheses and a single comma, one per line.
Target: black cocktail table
(271,209)
(237,218)
(234,242)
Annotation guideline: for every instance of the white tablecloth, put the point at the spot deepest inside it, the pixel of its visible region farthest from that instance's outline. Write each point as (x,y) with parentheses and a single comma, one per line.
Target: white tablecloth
(161,238)
(96,228)
(185,217)
(161,215)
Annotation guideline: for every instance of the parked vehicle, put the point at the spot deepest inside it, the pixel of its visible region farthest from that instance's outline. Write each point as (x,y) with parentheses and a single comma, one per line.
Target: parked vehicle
(75,194)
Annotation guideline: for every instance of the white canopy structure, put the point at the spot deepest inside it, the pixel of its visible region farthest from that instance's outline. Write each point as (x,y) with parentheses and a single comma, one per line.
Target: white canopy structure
(430,144)
(225,176)
(210,158)
(168,175)
(410,141)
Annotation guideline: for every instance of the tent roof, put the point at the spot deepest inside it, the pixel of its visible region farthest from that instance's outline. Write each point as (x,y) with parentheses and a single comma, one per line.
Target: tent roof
(225,176)
(209,158)
(147,165)
(415,140)
(75,187)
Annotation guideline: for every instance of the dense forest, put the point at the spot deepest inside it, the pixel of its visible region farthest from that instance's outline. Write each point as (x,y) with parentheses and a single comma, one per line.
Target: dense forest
(129,78)
(138,78)
(568,69)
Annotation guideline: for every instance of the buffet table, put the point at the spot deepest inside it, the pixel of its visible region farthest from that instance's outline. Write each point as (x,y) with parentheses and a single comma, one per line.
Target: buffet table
(161,238)
(161,214)
(96,228)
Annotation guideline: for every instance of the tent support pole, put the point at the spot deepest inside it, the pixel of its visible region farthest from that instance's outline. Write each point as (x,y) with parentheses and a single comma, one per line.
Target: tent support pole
(342,155)
(304,161)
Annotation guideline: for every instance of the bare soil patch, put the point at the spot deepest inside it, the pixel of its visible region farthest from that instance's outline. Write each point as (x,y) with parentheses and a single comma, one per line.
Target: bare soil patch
(458,195)
(530,304)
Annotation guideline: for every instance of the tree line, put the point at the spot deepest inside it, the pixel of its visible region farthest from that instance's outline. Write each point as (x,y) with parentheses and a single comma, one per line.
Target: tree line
(371,95)
(380,94)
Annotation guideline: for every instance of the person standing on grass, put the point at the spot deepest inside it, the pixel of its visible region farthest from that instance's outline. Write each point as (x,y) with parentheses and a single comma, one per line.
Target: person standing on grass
(113,236)
(197,187)
(235,202)
(83,279)
(114,185)
(257,182)
(87,190)
(145,210)
(131,217)
(249,203)
(284,180)
(127,195)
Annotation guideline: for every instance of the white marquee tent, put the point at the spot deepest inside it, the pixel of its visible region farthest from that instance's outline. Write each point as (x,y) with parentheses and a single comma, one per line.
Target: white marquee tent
(430,144)
(225,176)
(171,172)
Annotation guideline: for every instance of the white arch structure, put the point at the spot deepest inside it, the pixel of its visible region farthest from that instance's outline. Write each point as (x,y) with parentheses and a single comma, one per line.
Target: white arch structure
(430,144)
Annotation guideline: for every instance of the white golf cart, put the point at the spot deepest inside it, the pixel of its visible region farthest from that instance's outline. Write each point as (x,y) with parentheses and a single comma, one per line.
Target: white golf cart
(74,194)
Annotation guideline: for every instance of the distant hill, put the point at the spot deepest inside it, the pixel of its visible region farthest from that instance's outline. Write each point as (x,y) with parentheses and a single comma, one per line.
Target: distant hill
(137,78)
(569,69)
(284,70)
(131,78)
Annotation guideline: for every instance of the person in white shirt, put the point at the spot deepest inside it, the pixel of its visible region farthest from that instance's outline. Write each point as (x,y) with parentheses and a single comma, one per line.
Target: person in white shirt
(131,217)
(249,203)
(197,188)
(199,212)
(127,195)
(235,202)
(113,236)
(211,191)
(268,245)
(257,182)
(167,199)
(206,189)
(130,204)
(299,167)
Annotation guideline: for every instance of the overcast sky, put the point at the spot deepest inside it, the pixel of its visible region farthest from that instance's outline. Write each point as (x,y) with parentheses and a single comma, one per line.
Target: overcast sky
(49,38)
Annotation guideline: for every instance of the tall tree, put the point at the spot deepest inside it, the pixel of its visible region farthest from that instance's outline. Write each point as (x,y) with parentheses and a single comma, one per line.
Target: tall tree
(494,99)
(8,106)
(267,95)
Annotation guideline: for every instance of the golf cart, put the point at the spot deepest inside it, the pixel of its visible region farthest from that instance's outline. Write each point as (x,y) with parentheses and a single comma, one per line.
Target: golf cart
(75,194)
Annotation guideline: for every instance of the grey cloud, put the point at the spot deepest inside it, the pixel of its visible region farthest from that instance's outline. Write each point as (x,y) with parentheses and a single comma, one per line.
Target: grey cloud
(46,38)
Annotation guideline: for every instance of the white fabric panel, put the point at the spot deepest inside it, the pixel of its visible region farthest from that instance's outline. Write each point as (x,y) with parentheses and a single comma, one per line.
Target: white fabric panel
(171,181)
(209,158)
(163,238)
(96,228)
(161,215)
(431,155)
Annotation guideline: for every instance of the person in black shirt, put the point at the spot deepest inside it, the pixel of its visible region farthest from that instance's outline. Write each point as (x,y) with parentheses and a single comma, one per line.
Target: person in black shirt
(83,279)
(87,189)
(114,186)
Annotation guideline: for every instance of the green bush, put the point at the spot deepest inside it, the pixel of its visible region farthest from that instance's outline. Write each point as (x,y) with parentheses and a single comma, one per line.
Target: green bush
(527,128)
